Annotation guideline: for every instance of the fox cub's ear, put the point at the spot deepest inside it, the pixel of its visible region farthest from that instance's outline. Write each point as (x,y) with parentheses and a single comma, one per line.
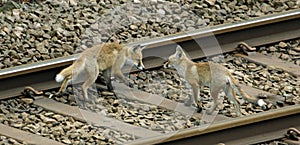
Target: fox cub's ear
(179,51)
(178,48)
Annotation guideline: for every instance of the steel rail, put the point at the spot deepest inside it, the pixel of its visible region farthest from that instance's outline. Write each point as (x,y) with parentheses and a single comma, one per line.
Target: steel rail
(225,38)
(271,29)
(238,128)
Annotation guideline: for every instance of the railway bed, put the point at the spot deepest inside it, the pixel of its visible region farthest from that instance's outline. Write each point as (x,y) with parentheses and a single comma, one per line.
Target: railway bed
(198,128)
(291,136)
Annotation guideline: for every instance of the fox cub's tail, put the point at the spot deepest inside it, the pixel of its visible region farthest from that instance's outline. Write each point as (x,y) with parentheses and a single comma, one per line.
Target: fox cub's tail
(234,85)
(71,71)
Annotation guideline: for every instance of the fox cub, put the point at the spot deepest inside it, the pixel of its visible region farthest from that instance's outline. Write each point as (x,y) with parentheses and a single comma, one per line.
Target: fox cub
(209,74)
(108,58)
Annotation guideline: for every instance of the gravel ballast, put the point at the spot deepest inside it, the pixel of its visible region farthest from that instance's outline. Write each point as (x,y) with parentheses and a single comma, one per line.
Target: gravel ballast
(37,31)
(133,112)
(36,120)
(4,140)
(285,50)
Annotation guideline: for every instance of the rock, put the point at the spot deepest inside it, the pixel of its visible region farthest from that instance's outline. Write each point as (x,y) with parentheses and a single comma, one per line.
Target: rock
(133,27)
(17,125)
(41,48)
(17,33)
(266,8)
(10,18)
(95,26)
(13,141)
(280,103)
(73,2)
(116,103)
(258,13)
(239,73)
(244,7)
(296,49)
(288,88)
(106,93)
(210,2)
(66,141)
(251,65)
(58,117)
(142,75)
(161,12)
(78,124)
(291,52)
(272,49)
(244,112)
(47,119)
(284,56)
(290,4)
(168,81)
(129,120)
(136,1)
(282,44)
(27,100)
(47,36)
(98,137)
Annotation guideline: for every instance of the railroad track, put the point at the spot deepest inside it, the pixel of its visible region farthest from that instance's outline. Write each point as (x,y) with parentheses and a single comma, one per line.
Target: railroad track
(222,129)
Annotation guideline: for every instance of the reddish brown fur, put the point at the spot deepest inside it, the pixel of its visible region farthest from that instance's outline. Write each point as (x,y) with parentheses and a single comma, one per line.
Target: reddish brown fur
(107,58)
(207,74)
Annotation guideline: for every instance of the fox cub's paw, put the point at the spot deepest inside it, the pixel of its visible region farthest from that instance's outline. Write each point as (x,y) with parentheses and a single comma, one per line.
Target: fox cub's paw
(110,88)
(128,83)
(58,94)
(199,109)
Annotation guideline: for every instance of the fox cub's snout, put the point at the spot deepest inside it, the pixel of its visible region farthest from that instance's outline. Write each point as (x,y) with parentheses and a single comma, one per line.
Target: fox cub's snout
(140,66)
(136,56)
(166,64)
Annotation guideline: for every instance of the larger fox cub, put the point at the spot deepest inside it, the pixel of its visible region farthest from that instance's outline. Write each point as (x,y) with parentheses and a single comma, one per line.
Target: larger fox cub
(209,74)
(108,58)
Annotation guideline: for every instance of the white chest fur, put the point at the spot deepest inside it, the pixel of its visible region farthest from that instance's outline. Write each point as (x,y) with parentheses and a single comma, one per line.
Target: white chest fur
(194,72)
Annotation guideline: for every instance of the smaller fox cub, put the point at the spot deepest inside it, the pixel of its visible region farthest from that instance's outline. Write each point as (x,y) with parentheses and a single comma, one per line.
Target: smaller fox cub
(108,58)
(209,74)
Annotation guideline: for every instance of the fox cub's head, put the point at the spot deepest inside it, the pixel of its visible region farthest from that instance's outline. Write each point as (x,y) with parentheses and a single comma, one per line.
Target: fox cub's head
(135,56)
(176,58)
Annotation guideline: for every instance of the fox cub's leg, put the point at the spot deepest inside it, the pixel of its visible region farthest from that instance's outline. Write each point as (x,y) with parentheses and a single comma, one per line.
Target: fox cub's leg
(214,92)
(231,95)
(64,85)
(189,101)
(92,74)
(195,87)
(107,78)
(120,75)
